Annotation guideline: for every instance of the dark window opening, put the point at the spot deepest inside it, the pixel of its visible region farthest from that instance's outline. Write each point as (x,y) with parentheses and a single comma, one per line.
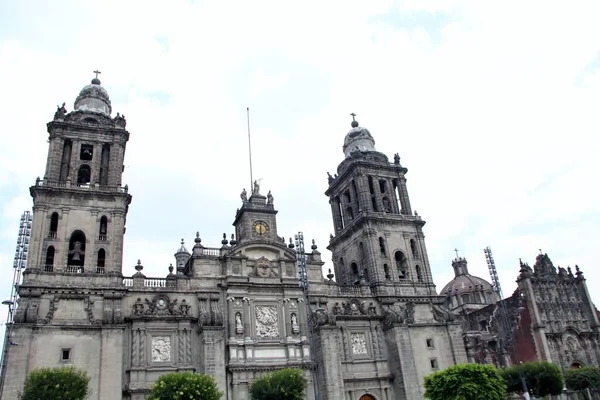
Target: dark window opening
(347,197)
(90,120)
(76,255)
(84,175)
(103,228)
(65,164)
(361,251)
(366,274)
(53,225)
(401,264)
(386,271)
(483,325)
(101,261)
(413,248)
(382,186)
(429,343)
(382,247)
(65,355)
(434,364)
(418,271)
(49,266)
(87,152)
(354,269)
(371,188)
(355,192)
(350,213)
(387,206)
(340,212)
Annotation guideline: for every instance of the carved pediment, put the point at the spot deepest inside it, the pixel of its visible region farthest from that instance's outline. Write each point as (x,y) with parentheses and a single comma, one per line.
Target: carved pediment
(160,305)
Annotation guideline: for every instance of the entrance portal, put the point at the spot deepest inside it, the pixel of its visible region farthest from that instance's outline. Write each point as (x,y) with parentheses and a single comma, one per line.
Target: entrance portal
(367,397)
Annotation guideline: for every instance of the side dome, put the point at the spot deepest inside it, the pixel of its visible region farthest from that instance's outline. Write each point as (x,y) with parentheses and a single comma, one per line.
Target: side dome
(93,98)
(467,290)
(358,139)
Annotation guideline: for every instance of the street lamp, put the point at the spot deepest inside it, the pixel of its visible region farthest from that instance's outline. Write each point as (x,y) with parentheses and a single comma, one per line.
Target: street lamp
(7,342)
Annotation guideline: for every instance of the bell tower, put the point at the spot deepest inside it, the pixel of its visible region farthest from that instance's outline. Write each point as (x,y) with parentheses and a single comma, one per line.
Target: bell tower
(378,239)
(80,206)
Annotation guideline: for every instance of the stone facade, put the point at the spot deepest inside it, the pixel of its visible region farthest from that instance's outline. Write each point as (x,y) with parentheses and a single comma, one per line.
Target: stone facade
(236,311)
(549,317)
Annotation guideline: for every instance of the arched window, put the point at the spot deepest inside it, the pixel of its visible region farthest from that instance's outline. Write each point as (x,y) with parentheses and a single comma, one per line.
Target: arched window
(386,271)
(466,298)
(488,297)
(49,266)
(401,265)
(84,175)
(53,225)
(104,162)
(367,397)
(413,248)
(418,271)
(76,257)
(354,268)
(103,228)
(65,164)
(382,247)
(101,261)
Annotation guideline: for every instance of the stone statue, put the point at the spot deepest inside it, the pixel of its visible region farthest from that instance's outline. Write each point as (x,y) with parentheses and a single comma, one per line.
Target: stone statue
(120,120)
(329,178)
(244,195)
(239,328)
(256,189)
(386,205)
(397,159)
(295,326)
(60,112)
(269,198)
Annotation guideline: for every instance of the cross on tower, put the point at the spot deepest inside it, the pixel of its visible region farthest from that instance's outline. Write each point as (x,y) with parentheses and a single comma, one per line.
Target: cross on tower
(456,251)
(540,251)
(97,72)
(353,115)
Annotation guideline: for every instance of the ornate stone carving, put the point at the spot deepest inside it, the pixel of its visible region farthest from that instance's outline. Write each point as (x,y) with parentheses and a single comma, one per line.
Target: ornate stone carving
(263,268)
(359,343)
(239,327)
(410,313)
(320,317)
(89,310)
(161,348)
(60,112)
(160,305)
(442,314)
(50,314)
(266,321)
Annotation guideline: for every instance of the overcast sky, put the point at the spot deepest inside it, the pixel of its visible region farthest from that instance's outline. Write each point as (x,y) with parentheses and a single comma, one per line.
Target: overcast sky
(491,105)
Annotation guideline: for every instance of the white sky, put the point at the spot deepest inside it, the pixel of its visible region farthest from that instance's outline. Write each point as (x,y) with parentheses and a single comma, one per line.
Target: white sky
(491,105)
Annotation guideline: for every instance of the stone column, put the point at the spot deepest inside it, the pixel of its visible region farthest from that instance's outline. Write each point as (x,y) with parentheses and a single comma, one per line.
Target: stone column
(231,317)
(302,318)
(404,200)
(247,317)
(286,318)
(337,219)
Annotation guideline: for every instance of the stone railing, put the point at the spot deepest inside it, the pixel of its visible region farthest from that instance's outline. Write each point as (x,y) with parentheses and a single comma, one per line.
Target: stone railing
(210,251)
(150,282)
(70,185)
(75,269)
(128,282)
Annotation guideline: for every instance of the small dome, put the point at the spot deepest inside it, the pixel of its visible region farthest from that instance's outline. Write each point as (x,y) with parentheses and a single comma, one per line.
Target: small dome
(358,139)
(94,98)
(466,284)
(182,249)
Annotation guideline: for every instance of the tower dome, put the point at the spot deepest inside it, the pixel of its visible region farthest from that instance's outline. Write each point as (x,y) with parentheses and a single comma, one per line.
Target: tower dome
(466,290)
(93,98)
(358,139)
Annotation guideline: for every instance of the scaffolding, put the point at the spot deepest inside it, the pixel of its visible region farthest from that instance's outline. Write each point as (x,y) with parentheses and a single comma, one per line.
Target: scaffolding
(19,263)
(493,272)
(301,261)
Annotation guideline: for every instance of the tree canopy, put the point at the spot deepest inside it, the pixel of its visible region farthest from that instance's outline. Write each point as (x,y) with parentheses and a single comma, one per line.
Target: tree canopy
(185,385)
(543,378)
(63,383)
(465,382)
(285,384)
(582,378)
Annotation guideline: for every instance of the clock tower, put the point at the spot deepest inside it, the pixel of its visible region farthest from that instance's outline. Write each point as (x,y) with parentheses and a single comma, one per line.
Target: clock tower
(256,219)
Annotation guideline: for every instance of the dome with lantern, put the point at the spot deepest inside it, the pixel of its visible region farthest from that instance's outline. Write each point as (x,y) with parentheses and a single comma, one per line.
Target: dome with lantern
(467,291)
(358,139)
(93,98)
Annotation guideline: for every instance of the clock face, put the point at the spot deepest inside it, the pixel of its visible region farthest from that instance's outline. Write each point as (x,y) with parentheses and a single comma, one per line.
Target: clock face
(261,228)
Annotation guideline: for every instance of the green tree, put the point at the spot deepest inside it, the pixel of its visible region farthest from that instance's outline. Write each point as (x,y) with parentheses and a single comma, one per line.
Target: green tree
(185,385)
(465,382)
(64,383)
(543,378)
(285,384)
(579,379)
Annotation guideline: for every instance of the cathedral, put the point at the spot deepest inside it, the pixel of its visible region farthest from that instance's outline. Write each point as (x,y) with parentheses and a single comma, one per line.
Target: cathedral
(371,329)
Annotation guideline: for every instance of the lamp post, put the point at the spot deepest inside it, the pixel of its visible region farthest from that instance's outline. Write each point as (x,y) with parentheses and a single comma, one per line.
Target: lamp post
(7,342)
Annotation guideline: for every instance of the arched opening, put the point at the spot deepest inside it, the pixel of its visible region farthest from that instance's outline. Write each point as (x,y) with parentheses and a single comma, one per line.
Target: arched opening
(386,271)
(101,261)
(53,225)
(401,265)
(354,269)
(76,257)
(575,365)
(372,191)
(367,397)
(65,164)
(413,248)
(419,275)
(466,298)
(84,175)
(49,265)
(382,247)
(90,120)
(103,228)
(104,160)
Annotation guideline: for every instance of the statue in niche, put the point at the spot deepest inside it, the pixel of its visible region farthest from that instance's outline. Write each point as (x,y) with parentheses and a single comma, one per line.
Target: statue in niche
(239,328)
(295,326)
(269,198)
(244,195)
(386,205)
(396,158)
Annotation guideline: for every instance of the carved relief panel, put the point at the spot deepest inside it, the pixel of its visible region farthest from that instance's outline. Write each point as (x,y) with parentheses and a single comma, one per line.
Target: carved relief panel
(161,348)
(267,321)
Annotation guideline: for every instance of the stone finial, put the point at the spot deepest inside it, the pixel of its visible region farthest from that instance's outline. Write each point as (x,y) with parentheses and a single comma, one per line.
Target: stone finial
(139,267)
(314,246)
(224,242)
(198,240)
(170,268)
(233,242)
(330,275)
(291,245)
